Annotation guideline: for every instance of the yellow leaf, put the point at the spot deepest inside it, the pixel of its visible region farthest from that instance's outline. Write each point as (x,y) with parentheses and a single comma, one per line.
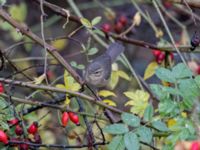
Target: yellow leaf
(70,83)
(129,103)
(75,87)
(109,102)
(184,114)
(60,86)
(59,44)
(67,100)
(66,73)
(150,70)
(113,80)
(86,22)
(18,12)
(139,108)
(69,80)
(106,93)
(39,79)
(171,122)
(138,95)
(123,75)
(130,95)
(138,101)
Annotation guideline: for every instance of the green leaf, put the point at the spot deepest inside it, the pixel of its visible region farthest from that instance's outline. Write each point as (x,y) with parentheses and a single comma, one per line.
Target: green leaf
(29,46)
(158,91)
(3,103)
(184,134)
(96,20)
(181,71)
(165,75)
(6,26)
(159,125)
(171,90)
(197,80)
(86,23)
(131,119)
(4,125)
(116,129)
(145,134)
(92,51)
(73,64)
(188,103)
(168,107)
(117,143)
(81,67)
(99,32)
(148,113)
(188,88)
(131,141)
(16,36)
(190,126)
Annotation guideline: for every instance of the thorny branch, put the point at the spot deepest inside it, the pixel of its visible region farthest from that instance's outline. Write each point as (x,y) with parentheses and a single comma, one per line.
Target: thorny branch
(25,30)
(147,45)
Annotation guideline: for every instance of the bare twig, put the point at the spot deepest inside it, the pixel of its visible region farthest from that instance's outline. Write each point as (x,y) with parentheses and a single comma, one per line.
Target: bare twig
(59,11)
(54,89)
(25,30)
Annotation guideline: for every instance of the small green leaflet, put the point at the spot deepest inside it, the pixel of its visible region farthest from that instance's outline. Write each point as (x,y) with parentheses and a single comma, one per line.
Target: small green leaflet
(148,113)
(117,128)
(117,143)
(96,20)
(131,141)
(145,134)
(159,125)
(131,119)
(165,75)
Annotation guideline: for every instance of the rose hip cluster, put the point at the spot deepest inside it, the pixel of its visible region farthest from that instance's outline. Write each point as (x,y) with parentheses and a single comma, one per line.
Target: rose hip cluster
(160,56)
(69,115)
(19,131)
(118,26)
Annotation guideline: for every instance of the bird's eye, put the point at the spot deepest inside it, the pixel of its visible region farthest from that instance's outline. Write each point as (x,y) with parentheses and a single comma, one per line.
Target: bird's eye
(97,72)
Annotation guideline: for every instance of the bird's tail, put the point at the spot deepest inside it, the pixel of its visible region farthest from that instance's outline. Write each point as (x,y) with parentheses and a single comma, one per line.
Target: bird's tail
(114,50)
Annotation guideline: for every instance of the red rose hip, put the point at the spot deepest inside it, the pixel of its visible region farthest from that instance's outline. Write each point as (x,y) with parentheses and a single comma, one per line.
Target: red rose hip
(123,20)
(19,130)
(33,128)
(74,118)
(106,27)
(65,119)
(3,137)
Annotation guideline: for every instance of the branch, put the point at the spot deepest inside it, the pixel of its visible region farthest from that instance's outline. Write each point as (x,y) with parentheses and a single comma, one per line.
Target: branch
(54,89)
(62,12)
(11,142)
(26,31)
